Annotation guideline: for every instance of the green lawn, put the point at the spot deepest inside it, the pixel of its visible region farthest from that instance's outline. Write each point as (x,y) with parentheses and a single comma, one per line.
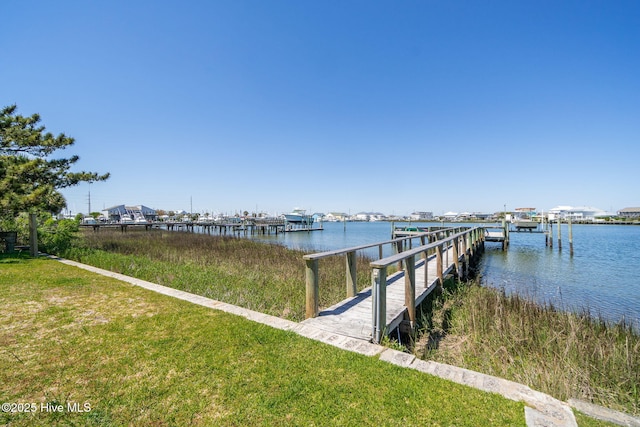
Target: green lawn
(69,337)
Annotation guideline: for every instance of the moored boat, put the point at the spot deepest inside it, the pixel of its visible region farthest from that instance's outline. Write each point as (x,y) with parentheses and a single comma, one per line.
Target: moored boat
(523,219)
(298,216)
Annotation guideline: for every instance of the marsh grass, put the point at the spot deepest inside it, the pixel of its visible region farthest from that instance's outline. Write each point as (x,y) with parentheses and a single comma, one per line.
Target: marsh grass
(561,353)
(139,358)
(263,277)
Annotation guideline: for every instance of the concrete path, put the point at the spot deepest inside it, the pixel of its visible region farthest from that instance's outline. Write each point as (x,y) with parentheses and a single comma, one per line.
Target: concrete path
(540,410)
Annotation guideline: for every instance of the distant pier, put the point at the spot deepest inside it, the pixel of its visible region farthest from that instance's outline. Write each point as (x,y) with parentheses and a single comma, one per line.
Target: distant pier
(225,226)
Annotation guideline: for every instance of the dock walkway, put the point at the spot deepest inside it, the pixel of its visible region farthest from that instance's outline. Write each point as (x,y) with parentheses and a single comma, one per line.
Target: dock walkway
(399,283)
(352,317)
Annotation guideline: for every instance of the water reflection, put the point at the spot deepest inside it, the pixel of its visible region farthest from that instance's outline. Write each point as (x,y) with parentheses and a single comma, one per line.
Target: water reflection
(601,277)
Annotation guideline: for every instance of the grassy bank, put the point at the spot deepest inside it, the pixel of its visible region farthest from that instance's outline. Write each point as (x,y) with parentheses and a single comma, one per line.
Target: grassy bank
(559,353)
(128,356)
(265,278)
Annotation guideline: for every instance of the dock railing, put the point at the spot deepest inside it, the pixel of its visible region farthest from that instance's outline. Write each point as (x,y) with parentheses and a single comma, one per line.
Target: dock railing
(498,233)
(399,244)
(464,244)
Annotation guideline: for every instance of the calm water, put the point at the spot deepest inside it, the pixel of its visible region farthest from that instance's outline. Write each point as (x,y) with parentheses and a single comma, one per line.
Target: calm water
(603,275)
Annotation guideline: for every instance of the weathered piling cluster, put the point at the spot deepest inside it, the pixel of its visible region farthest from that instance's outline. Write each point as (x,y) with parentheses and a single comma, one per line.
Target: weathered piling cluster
(549,234)
(501,233)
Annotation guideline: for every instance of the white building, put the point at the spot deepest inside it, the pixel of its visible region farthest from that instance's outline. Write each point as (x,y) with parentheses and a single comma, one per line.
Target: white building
(450,216)
(367,216)
(361,216)
(629,213)
(122,212)
(580,213)
(335,216)
(421,215)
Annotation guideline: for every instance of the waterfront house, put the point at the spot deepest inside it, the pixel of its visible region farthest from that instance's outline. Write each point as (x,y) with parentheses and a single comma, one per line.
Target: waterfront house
(121,212)
(580,213)
(421,216)
(450,216)
(367,216)
(629,213)
(335,216)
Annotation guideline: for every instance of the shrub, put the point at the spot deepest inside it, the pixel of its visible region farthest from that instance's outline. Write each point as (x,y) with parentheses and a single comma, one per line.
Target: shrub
(57,236)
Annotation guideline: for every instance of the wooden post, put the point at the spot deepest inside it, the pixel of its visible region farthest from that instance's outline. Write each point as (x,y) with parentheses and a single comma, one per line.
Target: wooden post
(33,235)
(399,248)
(410,288)
(430,240)
(545,229)
(446,252)
(550,234)
(379,307)
(439,265)
(559,235)
(312,288)
(465,261)
(504,233)
(456,257)
(570,237)
(425,255)
(352,287)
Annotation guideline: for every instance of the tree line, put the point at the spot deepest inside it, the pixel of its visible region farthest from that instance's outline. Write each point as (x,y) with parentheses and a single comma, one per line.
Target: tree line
(32,172)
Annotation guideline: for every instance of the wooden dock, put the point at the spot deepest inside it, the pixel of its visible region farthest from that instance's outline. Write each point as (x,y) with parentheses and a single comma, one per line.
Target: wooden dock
(352,316)
(390,303)
(222,227)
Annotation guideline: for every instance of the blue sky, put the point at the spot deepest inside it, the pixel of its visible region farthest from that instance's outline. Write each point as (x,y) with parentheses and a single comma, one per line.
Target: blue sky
(345,106)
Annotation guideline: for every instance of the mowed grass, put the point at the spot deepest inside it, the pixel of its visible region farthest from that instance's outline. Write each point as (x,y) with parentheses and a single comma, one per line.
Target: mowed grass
(68,336)
(258,276)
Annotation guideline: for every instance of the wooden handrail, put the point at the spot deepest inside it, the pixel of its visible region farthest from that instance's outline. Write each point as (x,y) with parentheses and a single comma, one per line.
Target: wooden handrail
(312,265)
(392,259)
(468,239)
(326,254)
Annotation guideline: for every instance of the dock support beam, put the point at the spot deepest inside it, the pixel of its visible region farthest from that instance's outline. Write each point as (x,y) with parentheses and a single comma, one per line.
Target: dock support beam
(410,288)
(312,288)
(439,268)
(456,257)
(465,260)
(379,294)
(570,237)
(425,257)
(351,274)
(559,235)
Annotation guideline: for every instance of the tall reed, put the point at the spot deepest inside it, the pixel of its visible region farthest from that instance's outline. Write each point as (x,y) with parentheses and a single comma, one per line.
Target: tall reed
(268,278)
(561,353)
